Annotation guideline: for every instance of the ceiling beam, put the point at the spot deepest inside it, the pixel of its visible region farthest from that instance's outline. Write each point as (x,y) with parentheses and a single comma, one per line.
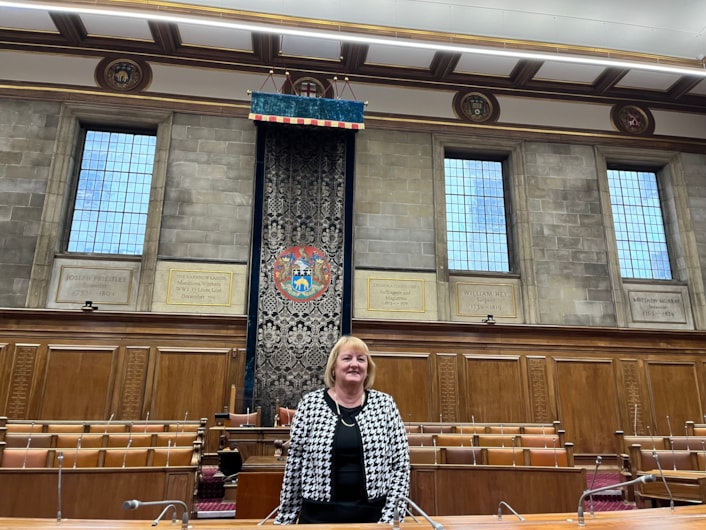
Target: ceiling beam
(608,79)
(353,56)
(683,86)
(266,47)
(70,26)
(524,71)
(443,64)
(166,36)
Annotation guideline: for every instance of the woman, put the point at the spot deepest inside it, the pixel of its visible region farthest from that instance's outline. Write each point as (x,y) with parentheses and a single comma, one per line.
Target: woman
(348,457)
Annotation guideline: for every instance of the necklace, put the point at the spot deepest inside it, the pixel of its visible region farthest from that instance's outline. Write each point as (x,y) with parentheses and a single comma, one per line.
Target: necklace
(338,409)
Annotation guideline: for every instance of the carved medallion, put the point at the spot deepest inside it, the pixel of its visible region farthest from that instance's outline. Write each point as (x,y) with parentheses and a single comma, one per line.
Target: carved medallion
(477,107)
(632,119)
(123,75)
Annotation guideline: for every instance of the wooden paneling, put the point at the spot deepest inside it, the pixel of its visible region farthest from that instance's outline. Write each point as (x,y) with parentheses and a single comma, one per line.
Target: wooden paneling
(202,371)
(587,398)
(494,389)
(72,374)
(675,395)
(408,377)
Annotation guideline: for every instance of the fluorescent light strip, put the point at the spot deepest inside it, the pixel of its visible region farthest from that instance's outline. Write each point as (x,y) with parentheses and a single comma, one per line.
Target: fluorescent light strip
(280,30)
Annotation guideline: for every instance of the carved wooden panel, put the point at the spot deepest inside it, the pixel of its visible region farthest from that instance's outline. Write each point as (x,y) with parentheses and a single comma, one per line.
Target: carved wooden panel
(635,417)
(78,383)
(494,389)
(543,410)
(189,383)
(675,395)
(447,368)
(21,375)
(407,378)
(133,384)
(588,403)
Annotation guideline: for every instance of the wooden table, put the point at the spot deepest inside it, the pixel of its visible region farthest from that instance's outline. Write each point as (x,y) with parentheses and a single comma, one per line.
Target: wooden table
(683,518)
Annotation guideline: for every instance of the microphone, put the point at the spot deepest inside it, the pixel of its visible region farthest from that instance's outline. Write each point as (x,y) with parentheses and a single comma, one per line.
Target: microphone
(599,459)
(134,504)
(29,442)
(664,481)
(105,431)
(500,511)
(434,524)
(60,458)
(156,521)
(643,478)
(127,448)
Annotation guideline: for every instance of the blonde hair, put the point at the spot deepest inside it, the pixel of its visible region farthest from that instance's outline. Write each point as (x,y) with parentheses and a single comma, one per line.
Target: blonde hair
(359,347)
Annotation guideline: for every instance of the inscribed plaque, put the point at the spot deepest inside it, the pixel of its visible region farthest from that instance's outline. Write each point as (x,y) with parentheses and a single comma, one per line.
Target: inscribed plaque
(657,306)
(390,294)
(195,287)
(480,299)
(101,285)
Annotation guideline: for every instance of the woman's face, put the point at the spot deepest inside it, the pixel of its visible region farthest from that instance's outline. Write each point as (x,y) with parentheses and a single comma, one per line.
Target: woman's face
(351,367)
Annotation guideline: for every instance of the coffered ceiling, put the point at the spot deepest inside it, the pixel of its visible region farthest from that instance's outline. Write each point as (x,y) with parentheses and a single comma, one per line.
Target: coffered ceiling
(639,51)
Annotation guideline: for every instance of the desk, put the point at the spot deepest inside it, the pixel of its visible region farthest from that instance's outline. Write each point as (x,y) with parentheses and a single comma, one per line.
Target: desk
(683,518)
(264,463)
(251,441)
(686,486)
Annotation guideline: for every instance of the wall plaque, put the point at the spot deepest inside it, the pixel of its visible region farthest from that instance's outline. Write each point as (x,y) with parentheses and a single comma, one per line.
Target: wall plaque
(657,306)
(480,299)
(391,294)
(98,284)
(195,287)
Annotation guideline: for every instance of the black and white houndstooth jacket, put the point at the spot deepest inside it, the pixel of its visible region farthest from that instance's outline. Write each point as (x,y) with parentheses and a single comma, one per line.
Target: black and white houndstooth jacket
(309,469)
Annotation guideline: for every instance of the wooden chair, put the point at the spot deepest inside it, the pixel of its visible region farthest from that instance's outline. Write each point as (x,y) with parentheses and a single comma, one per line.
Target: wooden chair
(675,459)
(549,457)
(71,440)
(173,456)
(35,440)
(462,455)
(134,440)
(503,429)
(26,458)
(78,458)
(286,415)
(504,456)
(412,428)
(539,429)
(421,440)
(107,427)
(147,427)
(66,427)
(183,439)
(495,440)
(453,439)
(434,428)
(694,443)
(252,419)
(539,440)
(424,455)
(24,427)
(128,457)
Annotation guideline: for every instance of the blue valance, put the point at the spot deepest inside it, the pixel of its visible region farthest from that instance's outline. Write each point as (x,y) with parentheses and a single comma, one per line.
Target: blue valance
(302,110)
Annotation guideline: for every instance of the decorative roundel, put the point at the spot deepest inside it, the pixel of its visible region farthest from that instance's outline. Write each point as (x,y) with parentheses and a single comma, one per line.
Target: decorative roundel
(302,273)
(632,119)
(123,75)
(476,106)
(307,86)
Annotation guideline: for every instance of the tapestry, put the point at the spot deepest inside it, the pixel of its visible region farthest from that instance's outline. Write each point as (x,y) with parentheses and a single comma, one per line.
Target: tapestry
(300,110)
(301,262)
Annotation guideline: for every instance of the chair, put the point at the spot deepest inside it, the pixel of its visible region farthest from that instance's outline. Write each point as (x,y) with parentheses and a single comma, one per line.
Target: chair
(66,427)
(107,427)
(539,440)
(24,427)
(164,439)
(420,439)
(453,439)
(22,439)
(115,457)
(134,440)
(172,456)
(504,456)
(462,455)
(183,427)
(424,455)
(24,458)
(538,429)
(147,427)
(251,419)
(412,428)
(79,457)
(286,415)
(496,440)
(71,440)
(548,457)
(694,443)
(436,428)
(503,429)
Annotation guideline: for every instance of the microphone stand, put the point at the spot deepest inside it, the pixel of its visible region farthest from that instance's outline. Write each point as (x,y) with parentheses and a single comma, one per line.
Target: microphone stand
(60,459)
(664,480)
(269,515)
(643,478)
(170,505)
(434,524)
(135,504)
(599,459)
(500,511)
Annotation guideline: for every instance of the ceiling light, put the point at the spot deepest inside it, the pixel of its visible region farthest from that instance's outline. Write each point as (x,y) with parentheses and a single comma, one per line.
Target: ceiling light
(343,37)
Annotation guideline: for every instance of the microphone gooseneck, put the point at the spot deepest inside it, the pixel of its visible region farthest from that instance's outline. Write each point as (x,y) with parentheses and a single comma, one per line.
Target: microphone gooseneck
(159,517)
(269,515)
(664,480)
(60,459)
(510,508)
(407,500)
(643,478)
(134,504)
(599,459)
